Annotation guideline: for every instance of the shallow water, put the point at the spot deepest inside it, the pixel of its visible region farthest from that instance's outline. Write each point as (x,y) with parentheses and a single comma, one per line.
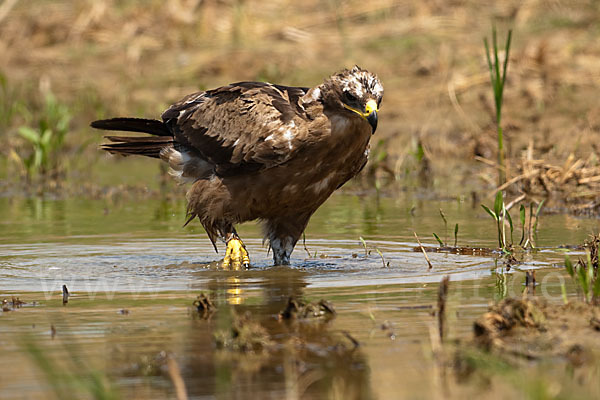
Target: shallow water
(136,256)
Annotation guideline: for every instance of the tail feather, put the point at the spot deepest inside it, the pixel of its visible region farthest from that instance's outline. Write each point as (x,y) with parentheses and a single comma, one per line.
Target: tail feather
(139,139)
(149,146)
(144,146)
(151,126)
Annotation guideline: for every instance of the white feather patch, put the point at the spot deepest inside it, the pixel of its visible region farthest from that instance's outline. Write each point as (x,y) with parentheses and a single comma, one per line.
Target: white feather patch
(183,166)
(323,184)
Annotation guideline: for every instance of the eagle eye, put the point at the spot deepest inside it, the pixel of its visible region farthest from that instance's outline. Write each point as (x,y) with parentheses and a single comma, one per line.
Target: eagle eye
(349,97)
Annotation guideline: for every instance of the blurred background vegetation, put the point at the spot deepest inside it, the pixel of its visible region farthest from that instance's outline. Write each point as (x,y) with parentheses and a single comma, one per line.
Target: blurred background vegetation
(66,63)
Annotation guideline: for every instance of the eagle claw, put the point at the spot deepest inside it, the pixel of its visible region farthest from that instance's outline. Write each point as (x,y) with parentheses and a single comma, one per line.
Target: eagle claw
(236,255)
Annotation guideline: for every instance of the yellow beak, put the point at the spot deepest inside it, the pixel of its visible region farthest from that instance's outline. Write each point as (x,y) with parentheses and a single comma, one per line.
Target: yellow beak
(370,113)
(370,107)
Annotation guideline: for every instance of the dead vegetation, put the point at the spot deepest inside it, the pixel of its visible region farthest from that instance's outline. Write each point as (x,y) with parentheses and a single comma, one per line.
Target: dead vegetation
(248,335)
(528,343)
(101,58)
(502,318)
(12,304)
(299,309)
(301,340)
(204,306)
(573,185)
(245,335)
(592,246)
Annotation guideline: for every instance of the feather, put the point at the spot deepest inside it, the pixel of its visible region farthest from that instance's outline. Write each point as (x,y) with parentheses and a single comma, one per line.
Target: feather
(149,146)
(151,126)
(230,126)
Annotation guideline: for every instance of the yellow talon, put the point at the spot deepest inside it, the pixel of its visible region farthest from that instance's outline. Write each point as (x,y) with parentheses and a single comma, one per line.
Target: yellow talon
(236,254)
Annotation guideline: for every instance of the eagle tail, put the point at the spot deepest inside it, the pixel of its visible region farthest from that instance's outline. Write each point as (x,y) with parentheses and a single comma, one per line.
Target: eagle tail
(151,126)
(149,146)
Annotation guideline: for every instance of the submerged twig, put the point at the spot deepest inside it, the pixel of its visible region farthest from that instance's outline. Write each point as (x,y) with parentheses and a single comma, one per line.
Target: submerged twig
(176,378)
(423,250)
(530,282)
(65,295)
(304,244)
(441,312)
(355,342)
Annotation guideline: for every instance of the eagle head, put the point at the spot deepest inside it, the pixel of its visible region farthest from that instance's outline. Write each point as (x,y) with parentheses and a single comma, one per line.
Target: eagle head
(356,92)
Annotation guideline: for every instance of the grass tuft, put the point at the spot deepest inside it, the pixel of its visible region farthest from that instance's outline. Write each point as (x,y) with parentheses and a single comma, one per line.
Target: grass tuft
(46,139)
(498,79)
(502,217)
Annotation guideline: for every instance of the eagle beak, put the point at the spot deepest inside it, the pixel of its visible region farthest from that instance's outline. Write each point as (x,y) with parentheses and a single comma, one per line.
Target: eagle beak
(371,114)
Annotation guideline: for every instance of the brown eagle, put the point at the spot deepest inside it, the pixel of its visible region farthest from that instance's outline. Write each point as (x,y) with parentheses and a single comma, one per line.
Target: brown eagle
(255,150)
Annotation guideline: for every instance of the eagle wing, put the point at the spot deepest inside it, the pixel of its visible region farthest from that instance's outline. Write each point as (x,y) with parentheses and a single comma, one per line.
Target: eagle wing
(244,126)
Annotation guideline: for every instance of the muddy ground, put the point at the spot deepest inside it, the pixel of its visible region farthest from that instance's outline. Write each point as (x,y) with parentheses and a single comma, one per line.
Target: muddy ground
(106,58)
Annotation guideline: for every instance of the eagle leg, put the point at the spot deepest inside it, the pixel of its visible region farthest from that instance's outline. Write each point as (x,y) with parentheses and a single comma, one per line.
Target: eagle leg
(236,255)
(282,249)
(283,234)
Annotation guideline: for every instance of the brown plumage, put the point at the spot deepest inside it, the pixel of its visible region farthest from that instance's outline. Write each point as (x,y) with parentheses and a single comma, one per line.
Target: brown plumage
(256,150)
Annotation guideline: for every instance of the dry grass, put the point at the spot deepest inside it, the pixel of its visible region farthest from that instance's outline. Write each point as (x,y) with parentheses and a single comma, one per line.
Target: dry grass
(109,57)
(575,183)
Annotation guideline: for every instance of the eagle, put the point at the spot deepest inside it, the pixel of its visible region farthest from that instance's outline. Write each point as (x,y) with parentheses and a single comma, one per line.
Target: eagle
(260,151)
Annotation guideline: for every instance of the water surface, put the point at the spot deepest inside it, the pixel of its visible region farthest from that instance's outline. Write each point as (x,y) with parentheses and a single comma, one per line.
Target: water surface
(135,256)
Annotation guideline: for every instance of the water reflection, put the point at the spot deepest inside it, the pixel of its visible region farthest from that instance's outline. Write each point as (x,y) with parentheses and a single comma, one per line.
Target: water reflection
(136,255)
(309,358)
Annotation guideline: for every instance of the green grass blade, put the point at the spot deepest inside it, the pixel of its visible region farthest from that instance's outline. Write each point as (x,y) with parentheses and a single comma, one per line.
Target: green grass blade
(498,82)
(529,235)
(583,281)
(30,134)
(595,285)
(596,288)
(503,226)
(590,267)
(535,224)
(498,203)
(522,218)
(46,138)
(563,291)
(38,158)
(363,243)
(539,208)
(443,217)
(489,60)
(438,239)
(506,54)
(569,266)
(510,224)
(382,258)
(455,234)
(445,225)
(490,212)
